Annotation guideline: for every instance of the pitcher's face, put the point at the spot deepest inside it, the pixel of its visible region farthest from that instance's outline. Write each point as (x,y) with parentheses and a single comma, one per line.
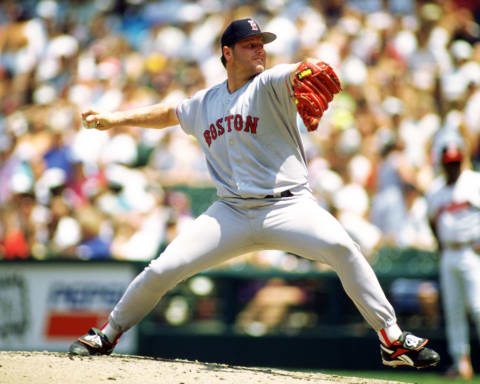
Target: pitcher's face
(249,55)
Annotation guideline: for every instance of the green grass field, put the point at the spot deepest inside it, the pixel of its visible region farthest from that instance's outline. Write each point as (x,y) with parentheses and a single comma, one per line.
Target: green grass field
(418,377)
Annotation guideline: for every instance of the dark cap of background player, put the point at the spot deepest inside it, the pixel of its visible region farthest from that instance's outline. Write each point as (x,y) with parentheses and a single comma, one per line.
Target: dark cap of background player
(452,154)
(241,29)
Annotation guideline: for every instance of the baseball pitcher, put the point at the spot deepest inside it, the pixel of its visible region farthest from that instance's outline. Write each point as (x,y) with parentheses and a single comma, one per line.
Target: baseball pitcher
(247,129)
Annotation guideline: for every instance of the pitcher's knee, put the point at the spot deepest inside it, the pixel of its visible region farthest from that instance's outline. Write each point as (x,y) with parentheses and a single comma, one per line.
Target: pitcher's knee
(342,255)
(160,273)
(344,251)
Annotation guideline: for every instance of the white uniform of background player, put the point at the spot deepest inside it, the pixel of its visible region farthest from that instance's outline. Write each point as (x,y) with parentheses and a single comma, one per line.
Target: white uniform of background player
(454,213)
(257,161)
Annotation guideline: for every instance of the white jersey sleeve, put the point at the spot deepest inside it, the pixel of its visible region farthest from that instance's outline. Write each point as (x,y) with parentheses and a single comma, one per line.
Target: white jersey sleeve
(188,110)
(276,82)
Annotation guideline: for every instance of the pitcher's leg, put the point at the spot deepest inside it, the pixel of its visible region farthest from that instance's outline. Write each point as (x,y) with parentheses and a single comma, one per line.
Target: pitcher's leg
(217,235)
(307,230)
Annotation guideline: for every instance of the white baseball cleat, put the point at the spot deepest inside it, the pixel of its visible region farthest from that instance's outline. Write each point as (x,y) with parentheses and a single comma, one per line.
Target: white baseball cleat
(409,350)
(93,343)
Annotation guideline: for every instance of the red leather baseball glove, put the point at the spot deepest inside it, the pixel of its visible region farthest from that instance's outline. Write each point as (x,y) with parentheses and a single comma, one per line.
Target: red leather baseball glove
(314,86)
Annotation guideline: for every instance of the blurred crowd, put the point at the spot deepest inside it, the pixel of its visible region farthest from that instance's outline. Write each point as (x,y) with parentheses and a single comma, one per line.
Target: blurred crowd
(410,71)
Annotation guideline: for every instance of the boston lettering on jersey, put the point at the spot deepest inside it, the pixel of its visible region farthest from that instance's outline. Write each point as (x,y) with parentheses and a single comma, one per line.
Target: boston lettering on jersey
(228,124)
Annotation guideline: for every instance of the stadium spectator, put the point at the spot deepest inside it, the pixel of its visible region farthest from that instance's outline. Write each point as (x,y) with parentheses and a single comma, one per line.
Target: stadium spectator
(410,68)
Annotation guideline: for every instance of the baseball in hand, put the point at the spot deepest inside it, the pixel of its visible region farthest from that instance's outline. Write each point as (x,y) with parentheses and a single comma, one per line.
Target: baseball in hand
(89,124)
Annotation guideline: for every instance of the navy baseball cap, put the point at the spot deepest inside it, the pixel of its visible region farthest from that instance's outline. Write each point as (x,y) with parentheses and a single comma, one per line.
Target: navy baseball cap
(243,28)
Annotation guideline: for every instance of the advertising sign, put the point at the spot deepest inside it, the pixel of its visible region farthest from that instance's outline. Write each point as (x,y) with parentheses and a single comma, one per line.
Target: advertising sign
(46,306)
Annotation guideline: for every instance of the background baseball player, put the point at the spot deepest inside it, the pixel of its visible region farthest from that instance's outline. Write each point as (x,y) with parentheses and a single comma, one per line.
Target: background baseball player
(247,129)
(454,214)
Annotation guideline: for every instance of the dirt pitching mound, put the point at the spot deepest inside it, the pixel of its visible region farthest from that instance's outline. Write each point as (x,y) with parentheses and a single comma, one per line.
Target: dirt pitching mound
(61,368)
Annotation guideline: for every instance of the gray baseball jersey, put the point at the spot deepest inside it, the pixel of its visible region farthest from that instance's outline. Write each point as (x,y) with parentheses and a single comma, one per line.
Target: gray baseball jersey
(250,137)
